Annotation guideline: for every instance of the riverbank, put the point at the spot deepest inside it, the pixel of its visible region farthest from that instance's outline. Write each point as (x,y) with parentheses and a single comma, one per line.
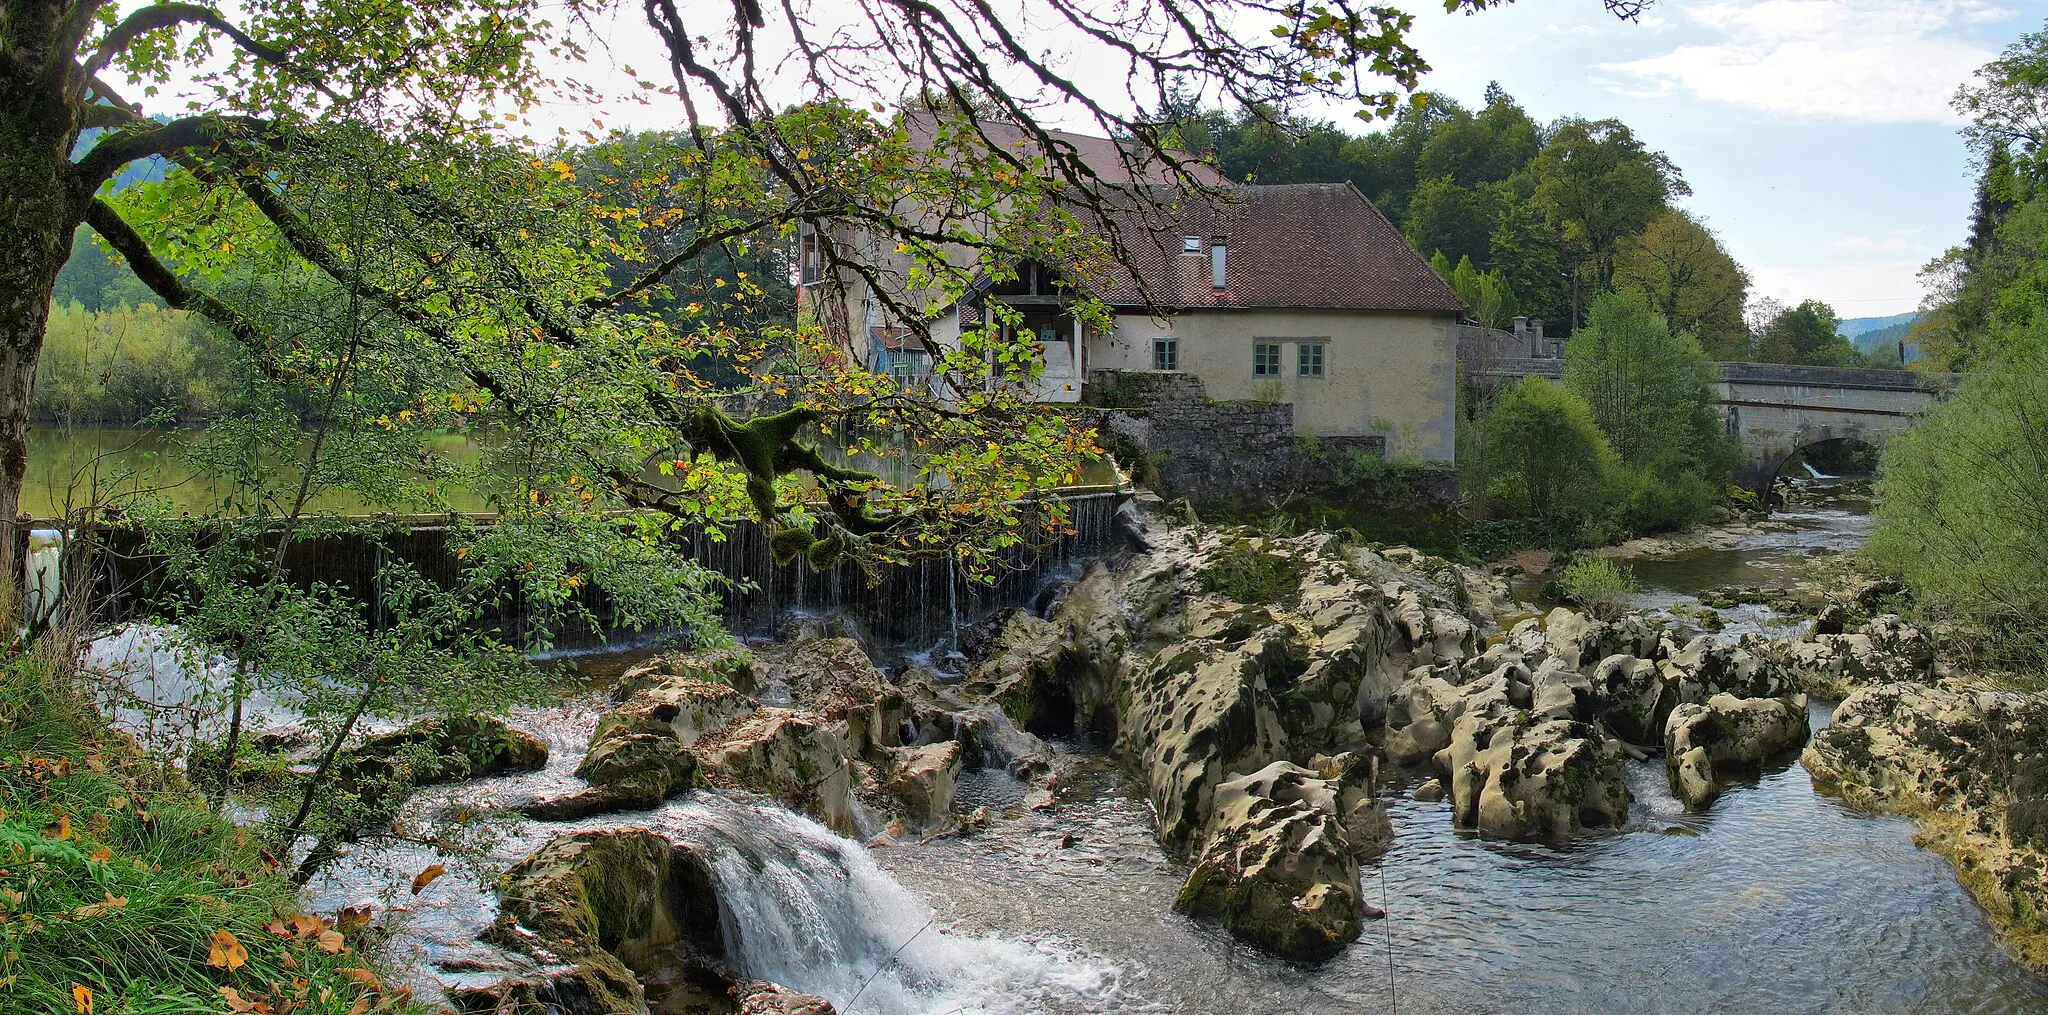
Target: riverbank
(1241,745)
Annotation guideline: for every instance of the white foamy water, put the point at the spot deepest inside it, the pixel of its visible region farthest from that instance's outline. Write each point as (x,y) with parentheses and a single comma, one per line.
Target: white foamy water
(798,905)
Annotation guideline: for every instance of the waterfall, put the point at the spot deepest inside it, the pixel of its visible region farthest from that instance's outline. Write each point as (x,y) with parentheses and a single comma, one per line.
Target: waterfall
(43,571)
(812,911)
(1813,472)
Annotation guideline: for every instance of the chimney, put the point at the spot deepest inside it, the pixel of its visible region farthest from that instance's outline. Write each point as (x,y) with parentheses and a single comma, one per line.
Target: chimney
(1217,277)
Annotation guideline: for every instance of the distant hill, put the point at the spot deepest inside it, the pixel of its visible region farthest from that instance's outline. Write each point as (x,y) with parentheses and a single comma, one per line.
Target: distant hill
(1855,327)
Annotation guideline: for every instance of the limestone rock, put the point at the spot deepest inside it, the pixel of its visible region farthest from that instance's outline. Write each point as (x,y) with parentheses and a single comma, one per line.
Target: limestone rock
(797,757)
(1430,791)
(1631,697)
(442,750)
(1199,713)
(1886,650)
(1057,676)
(1276,868)
(1972,766)
(734,667)
(640,751)
(1515,775)
(619,908)
(759,997)
(923,779)
(1705,744)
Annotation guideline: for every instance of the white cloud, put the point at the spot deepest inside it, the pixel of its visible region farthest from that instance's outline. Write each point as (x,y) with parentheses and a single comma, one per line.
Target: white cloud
(1878,61)
(1853,288)
(1869,245)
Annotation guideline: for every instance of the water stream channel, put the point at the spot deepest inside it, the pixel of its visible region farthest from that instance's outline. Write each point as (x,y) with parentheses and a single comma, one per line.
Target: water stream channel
(1775,900)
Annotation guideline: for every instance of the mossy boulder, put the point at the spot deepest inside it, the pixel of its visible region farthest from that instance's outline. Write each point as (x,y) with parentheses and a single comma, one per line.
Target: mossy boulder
(798,757)
(1707,744)
(1276,867)
(640,751)
(628,912)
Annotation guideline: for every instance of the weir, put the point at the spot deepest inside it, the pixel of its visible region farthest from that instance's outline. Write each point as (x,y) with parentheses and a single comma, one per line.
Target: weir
(919,605)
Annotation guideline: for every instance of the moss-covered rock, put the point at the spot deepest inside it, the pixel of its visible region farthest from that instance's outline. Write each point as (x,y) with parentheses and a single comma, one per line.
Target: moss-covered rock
(1275,866)
(628,912)
(798,757)
(1707,744)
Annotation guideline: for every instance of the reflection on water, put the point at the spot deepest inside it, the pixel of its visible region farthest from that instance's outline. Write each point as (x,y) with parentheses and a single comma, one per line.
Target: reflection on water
(72,467)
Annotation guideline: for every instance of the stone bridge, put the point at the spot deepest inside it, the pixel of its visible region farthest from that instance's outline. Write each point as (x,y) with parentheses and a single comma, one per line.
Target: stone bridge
(1776,409)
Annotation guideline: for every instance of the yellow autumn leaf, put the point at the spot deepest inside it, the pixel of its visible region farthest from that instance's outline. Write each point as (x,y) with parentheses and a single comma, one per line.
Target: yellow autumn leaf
(81,997)
(225,952)
(330,941)
(427,877)
(59,829)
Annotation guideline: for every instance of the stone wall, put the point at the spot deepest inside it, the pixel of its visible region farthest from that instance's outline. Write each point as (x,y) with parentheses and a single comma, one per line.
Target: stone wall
(1244,457)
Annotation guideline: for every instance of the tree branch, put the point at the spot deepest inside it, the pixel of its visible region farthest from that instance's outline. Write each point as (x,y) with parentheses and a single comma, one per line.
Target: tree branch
(168,15)
(207,129)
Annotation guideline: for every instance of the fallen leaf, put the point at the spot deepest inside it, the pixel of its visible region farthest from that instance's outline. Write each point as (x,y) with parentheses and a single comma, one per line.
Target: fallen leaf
(426,877)
(352,917)
(226,952)
(304,926)
(362,1005)
(59,829)
(330,942)
(278,928)
(364,977)
(285,959)
(81,996)
(100,855)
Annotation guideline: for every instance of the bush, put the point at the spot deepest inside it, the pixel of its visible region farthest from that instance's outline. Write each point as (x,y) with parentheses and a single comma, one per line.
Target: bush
(1597,585)
(120,886)
(123,365)
(1959,515)
(1251,576)
(1546,455)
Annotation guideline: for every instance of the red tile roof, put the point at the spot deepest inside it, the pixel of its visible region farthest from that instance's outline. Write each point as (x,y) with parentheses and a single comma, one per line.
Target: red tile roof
(1303,245)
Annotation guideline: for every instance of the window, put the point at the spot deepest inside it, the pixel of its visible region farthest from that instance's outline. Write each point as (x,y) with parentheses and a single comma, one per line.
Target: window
(1166,354)
(1265,359)
(1308,359)
(1190,244)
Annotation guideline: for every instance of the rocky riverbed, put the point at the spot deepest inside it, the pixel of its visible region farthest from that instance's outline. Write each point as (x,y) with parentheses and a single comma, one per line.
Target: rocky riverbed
(1235,772)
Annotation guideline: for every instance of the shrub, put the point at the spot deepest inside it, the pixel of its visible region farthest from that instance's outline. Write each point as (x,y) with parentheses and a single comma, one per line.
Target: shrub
(1595,584)
(1547,456)
(1246,575)
(1959,498)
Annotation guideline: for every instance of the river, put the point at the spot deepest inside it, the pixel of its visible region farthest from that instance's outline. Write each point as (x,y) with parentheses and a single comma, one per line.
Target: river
(1775,900)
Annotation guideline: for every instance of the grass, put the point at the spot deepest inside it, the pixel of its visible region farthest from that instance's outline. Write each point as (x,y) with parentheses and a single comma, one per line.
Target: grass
(1598,585)
(120,892)
(1251,576)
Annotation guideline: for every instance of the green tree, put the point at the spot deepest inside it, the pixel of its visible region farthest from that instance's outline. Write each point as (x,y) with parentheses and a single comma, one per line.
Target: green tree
(1485,294)
(1545,454)
(1647,387)
(1445,216)
(1959,498)
(1601,186)
(1681,270)
(1804,334)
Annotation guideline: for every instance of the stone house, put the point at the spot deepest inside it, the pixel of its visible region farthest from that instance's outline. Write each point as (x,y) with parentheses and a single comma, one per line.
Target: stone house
(1299,295)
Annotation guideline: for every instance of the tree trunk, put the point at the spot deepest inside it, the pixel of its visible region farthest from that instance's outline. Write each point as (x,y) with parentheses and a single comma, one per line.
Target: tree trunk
(38,211)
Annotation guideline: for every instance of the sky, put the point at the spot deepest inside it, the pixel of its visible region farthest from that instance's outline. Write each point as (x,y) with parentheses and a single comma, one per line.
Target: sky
(1816,134)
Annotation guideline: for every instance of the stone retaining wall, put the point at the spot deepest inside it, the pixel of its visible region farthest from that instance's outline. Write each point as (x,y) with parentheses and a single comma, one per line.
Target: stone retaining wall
(1244,456)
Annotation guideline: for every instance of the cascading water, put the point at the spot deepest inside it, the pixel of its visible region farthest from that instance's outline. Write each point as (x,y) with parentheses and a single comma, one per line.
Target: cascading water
(810,910)
(43,571)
